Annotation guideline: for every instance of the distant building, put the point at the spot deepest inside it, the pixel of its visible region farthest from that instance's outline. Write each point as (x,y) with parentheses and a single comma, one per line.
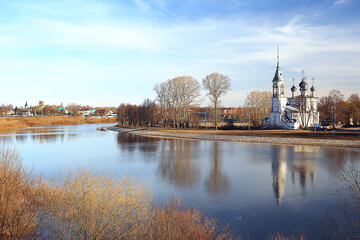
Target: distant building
(63,110)
(41,104)
(84,111)
(24,112)
(8,112)
(295,112)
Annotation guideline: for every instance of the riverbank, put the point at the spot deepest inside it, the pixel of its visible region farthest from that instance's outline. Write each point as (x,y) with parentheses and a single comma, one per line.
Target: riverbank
(7,123)
(287,137)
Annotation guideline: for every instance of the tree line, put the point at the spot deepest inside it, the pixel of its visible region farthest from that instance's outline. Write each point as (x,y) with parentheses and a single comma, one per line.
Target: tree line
(178,99)
(72,108)
(333,108)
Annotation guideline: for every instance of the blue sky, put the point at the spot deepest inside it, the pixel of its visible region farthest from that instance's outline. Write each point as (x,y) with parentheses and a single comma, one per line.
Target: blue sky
(114,51)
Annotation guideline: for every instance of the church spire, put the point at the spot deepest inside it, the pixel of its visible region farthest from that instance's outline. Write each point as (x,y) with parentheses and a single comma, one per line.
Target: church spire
(278,75)
(278,55)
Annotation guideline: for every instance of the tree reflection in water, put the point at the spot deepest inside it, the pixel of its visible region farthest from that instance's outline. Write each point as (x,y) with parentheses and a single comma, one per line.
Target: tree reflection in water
(217,182)
(176,162)
(131,142)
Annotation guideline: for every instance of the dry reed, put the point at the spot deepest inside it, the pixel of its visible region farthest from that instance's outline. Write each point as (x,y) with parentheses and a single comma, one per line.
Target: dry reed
(21,197)
(18,122)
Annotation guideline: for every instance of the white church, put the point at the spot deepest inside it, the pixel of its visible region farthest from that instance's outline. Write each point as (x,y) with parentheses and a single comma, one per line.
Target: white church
(296,111)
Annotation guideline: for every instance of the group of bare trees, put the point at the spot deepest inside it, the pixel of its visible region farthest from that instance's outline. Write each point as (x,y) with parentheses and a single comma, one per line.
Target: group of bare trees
(142,115)
(177,97)
(333,108)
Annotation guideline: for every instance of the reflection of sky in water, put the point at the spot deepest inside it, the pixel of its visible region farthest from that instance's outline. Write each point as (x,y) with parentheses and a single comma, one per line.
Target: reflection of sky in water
(258,189)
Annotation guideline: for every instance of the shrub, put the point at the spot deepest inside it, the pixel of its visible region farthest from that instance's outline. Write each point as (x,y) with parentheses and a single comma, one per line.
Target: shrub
(172,221)
(20,198)
(85,204)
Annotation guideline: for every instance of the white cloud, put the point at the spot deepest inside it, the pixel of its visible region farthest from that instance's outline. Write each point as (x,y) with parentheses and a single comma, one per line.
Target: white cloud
(108,36)
(340,2)
(142,5)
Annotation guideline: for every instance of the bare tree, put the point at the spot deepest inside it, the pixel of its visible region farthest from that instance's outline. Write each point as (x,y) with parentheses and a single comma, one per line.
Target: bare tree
(162,99)
(330,107)
(176,96)
(147,112)
(260,102)
(189,92)
(216,85)
(335,97)
(354,110)
(122,114)
(73,107)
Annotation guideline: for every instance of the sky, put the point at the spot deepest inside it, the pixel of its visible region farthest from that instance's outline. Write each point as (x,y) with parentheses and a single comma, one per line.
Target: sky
(108,52)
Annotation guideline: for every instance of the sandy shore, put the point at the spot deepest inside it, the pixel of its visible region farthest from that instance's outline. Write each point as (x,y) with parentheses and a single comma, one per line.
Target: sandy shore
(246,139)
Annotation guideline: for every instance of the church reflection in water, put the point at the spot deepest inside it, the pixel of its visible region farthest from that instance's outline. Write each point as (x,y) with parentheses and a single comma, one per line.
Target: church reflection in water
(294,159)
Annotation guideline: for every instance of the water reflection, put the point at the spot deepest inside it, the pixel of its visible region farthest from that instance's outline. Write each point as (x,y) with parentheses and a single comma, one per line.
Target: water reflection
(278,170)
(217,183)
(304,168)
(176,162)
(299,160)
(338,157)
(130,143)
(40,135)
(175,157)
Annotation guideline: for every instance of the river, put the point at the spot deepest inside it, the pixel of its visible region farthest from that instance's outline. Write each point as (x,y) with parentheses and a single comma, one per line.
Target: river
(258,189)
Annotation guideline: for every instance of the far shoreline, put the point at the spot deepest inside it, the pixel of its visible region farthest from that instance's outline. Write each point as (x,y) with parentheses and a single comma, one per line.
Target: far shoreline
(223,137)
(11,123)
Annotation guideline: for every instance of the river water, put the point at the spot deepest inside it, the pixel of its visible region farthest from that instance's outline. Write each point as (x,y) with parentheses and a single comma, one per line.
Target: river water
(257,189)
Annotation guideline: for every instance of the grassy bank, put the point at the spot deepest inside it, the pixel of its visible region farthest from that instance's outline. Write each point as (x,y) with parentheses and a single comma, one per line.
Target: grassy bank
(7,123)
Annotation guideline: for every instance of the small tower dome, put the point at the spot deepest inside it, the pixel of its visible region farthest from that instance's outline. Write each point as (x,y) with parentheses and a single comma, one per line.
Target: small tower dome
(278,75)
(293,89)
(312,89)
(303,84)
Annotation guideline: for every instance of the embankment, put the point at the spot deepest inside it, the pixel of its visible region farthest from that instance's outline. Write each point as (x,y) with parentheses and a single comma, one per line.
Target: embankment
(236,138)
(7,123)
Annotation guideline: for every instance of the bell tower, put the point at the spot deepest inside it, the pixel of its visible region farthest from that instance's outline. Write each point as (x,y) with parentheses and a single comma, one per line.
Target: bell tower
(278,100)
